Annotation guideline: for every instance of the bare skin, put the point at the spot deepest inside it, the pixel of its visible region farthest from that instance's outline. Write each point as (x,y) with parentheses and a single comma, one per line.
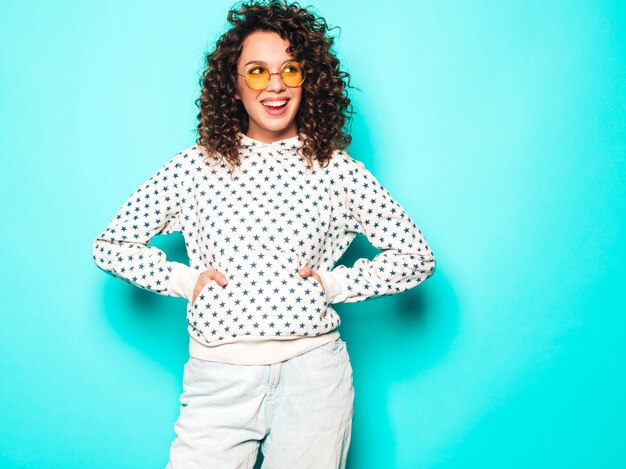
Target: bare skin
(212,274)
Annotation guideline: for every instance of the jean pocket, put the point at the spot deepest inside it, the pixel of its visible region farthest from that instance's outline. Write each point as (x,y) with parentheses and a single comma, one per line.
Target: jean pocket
(337,348)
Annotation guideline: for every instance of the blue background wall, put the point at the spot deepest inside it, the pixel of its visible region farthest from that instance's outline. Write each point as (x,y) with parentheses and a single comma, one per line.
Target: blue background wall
(500,127)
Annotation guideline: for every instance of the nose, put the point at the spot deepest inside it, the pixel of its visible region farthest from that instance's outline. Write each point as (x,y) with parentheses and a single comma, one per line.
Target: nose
(275,84)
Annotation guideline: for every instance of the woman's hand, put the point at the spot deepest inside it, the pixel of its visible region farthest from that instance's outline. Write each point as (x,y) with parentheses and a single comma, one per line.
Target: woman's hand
(204,278)
(307,271)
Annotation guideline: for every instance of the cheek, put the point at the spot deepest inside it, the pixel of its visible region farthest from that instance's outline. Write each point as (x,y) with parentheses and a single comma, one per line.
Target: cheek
(248,97)
(298,98)
(243,92)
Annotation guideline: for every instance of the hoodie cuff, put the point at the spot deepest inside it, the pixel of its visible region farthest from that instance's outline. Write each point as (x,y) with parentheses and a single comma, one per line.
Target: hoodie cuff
(333,286)
(182,280)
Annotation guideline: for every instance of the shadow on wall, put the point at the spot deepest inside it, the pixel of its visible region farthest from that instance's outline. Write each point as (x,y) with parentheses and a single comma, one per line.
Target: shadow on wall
(152,323)
(392,339)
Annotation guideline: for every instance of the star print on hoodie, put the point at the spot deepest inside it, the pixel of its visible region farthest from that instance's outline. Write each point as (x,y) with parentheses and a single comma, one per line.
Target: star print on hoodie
(259,228)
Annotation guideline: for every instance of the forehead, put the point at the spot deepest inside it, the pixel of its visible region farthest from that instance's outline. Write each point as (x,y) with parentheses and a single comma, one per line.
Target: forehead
(265,46)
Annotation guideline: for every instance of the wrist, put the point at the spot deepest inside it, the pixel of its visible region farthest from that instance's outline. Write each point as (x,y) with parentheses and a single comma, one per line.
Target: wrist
(333,287)
(183,280)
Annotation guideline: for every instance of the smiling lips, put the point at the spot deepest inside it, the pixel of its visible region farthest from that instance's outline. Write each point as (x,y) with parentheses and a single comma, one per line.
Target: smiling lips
(275,107)
(275,103)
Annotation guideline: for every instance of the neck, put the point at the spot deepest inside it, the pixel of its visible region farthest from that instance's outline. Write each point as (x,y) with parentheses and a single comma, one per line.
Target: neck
(268,136)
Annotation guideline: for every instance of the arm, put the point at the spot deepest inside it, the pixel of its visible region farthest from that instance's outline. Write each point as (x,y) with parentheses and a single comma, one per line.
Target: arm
(406,259)
(122,248)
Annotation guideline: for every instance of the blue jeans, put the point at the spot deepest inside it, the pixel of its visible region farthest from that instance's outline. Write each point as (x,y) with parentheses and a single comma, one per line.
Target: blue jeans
(299,412)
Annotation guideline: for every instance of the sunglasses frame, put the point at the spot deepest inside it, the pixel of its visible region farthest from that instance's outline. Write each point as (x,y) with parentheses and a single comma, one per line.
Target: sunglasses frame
(282,68)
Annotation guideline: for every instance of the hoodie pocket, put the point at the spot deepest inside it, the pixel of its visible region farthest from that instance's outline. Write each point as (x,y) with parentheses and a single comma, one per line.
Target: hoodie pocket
(318,286)
(195,315)
(201,293)
(265,296)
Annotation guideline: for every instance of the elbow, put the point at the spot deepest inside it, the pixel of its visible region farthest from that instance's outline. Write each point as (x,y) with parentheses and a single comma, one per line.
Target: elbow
(423,268)
(433,264)
(428,265)
(98,253)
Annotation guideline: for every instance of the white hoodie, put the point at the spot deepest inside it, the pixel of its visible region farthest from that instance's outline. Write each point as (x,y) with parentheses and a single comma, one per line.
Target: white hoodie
(259,228)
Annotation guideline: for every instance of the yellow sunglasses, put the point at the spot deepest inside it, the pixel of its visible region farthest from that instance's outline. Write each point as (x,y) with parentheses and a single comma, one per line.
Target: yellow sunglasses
(258,76)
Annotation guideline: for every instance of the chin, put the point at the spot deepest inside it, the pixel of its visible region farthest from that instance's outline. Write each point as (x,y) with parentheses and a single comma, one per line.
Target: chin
(277,127)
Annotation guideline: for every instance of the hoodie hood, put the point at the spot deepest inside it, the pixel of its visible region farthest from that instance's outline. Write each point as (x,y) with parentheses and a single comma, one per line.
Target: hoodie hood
(286,143)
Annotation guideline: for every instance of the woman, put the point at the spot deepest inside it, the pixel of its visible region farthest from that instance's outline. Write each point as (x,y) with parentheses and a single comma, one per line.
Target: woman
(267,200)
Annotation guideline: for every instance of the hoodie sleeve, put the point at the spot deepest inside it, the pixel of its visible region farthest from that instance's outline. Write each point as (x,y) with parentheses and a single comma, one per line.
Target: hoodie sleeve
(154,208)
(406,259)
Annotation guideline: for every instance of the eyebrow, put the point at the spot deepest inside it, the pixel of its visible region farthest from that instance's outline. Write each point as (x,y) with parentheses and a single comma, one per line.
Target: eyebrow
(265,63)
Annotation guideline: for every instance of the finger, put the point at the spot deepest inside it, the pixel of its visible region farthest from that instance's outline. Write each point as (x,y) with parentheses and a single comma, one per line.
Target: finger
(220,278)
(319,279)
(305,272)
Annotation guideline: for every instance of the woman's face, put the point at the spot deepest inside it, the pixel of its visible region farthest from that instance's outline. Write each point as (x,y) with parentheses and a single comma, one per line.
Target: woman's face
(265,123)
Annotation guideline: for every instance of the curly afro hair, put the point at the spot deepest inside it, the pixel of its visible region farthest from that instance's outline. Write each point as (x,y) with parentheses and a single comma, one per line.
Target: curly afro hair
(325,109)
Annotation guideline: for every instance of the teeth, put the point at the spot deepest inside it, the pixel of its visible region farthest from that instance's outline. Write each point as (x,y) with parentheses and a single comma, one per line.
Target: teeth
(274,103)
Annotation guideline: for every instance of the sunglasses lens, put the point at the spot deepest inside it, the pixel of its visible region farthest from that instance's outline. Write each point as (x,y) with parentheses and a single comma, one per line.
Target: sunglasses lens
(292,74)
(257,77)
